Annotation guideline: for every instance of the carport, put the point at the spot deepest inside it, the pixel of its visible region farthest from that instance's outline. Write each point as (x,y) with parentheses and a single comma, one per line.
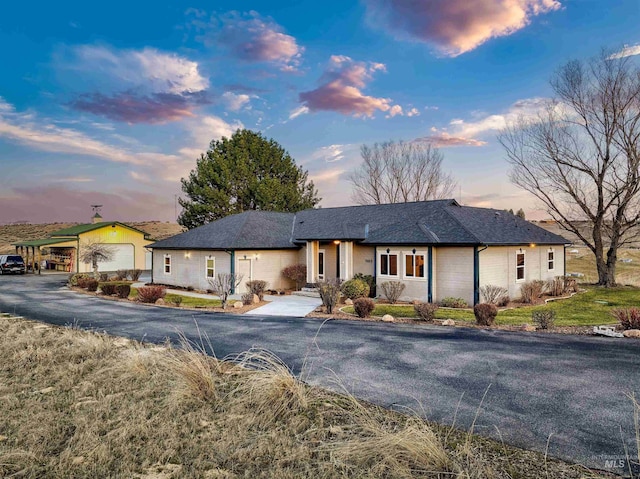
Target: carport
(58,254)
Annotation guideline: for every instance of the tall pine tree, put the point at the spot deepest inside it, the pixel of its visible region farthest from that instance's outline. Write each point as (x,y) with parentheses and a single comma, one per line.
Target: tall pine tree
(244,172)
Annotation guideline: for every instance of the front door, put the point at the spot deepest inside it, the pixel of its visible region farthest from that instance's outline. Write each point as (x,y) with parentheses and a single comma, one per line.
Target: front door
(321,265)
(244,270)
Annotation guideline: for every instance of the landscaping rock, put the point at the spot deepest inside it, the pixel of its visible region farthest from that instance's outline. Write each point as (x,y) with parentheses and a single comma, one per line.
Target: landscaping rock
(631,333)
(160,301)
(528,328)
(256,299)
(238,305)
(387,318)
(448,322)
(348,301)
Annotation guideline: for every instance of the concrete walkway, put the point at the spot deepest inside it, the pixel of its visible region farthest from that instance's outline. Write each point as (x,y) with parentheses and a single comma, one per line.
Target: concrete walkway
(286,305)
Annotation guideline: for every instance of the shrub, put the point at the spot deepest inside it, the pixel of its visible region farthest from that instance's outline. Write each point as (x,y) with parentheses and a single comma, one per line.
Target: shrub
(223,284)
(629,318)
(451,302)
(296,273)
(151,294)
(121,274)
(123,290)
(556,286)
(247,298)
(176,300)
(355,288)
(544,318)
(135,274)
(570,285)
(532,290)
(329,293)
(257,286)
(104,277)
(74,278)
(364,307)
(495,294)
(108,289)
(485,313)
(370,280)
(392,290)
(426,311)
(91,284)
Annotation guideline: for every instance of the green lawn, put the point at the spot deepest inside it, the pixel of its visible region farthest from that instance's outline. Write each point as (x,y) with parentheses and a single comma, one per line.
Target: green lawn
(580,310)
(187,301)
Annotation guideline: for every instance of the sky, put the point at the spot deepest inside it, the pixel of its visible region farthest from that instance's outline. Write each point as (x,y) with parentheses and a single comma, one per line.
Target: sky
(113,103)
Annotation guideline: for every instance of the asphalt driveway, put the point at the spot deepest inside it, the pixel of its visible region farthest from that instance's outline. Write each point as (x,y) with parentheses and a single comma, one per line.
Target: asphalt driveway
(571,388)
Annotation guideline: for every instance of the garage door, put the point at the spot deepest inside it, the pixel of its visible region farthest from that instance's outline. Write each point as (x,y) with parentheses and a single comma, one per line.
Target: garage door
(123,258)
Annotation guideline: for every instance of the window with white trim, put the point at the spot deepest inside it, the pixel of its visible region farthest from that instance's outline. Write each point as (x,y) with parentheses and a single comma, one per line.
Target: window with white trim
(389,264)
(520,266)
(167,264)
(414,265)
(551,260)
(210,267)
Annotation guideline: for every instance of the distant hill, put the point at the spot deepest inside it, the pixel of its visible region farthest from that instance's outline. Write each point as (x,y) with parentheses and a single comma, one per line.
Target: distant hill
(553,227)
(24,232)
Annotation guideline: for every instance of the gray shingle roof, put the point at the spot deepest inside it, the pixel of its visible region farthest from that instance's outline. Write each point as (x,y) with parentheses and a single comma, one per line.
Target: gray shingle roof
(440,222)
(248,230)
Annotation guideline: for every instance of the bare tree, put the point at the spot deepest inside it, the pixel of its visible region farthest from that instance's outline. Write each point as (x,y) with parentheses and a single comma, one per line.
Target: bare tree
(224,284)
(400,172)
(95,253)
(580,156)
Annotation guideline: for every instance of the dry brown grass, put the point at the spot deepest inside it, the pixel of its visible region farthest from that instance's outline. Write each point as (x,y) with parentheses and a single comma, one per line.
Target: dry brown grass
(80,404)
(584,262)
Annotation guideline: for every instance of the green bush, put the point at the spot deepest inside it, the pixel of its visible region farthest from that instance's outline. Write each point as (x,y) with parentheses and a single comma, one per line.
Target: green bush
(355,288)
(73,279)
(176,300)
(370,280)
(123,290)
(364,307)
(258,287)
(451,302)
(426,311)
(544,318)
(485,313)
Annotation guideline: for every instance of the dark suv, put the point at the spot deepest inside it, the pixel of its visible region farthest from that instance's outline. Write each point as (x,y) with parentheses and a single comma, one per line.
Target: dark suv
(12,263)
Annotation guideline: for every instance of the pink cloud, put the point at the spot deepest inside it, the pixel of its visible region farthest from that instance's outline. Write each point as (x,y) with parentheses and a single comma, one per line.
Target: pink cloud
(60,204)
(455,26)
(444,140)
(342,89)
(132,108)
(253,38)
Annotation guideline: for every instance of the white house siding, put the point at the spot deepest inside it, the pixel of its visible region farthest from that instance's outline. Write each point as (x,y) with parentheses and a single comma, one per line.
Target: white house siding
(498,266)
(188,268)
(453,268)
(267,265)
(363,259)
(414,288)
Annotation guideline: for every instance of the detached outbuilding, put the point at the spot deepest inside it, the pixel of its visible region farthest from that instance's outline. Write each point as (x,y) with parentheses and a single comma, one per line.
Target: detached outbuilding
(438,249)
(60,250)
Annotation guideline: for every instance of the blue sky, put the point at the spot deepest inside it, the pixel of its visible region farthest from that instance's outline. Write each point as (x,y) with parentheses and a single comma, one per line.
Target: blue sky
(112,103)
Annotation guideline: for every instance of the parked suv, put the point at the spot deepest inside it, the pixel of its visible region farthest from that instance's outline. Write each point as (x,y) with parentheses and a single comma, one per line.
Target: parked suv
(12,263)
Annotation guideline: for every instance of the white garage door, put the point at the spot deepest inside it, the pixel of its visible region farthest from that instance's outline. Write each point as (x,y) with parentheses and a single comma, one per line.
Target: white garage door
(123,258)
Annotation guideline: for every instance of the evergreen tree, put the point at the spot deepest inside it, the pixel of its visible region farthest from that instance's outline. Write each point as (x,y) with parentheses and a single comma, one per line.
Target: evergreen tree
(244,172)
(520,213)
